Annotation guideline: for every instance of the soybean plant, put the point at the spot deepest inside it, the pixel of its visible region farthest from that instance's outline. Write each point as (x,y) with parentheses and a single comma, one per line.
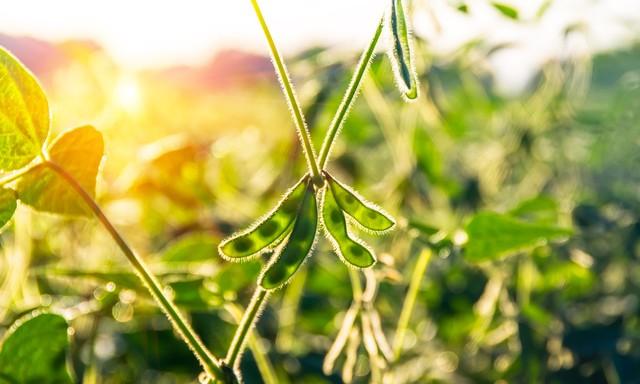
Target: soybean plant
(318,200)
(59,176)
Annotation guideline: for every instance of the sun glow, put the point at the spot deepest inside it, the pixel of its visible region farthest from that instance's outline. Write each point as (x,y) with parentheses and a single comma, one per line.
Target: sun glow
(127,94)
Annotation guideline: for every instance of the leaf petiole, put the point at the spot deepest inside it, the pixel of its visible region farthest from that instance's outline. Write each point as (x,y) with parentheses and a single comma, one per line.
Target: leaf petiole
(210,364)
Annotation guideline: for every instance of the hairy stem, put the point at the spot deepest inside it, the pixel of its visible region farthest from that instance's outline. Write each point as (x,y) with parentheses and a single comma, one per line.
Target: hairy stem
(259,354)
(294,105)
(288,310)
(410,300)
(349,97)
(211,366)
(356,284)
(244,328)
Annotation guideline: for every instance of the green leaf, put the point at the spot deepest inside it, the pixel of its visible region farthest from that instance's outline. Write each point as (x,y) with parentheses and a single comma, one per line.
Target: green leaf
(350,250)
(401,54)
(506,10)
(193,294)
(191,248)
(492,236)
(265,233)
(538,209)
(7,205)
(34,351)
(24,114)
(363,212)
(79,151)
(286,262)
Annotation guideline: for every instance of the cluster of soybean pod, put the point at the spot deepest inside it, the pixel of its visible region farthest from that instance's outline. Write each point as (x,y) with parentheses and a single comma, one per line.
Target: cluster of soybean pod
(287,233)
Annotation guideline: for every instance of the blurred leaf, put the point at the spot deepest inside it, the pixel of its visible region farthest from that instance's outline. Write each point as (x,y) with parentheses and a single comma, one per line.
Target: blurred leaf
(79,152)
(462,7)
(506,10)
(424,229)
(193,294)
(544,7)
(7,205)
(191,248)
(172,167)
(536,314)
(127,280)
(541,209)
(492,236)
(24,114)
(35,351)
(234,277)
(428,155)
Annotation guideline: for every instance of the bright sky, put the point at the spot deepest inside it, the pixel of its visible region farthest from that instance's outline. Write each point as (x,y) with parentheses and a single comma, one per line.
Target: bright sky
(159,32)
(143,33)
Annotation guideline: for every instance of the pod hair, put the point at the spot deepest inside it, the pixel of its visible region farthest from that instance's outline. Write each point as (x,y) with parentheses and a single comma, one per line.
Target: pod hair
(401,51)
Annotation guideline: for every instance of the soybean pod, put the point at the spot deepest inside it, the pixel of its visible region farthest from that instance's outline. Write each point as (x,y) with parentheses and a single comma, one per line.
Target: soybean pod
(300,243)
(350,250)
(401,51)
(368,215)
(269,231)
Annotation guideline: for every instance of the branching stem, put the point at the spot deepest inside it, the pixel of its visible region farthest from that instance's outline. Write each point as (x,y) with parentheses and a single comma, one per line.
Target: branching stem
(292,100)
(209,363)
(349,97)
(244,328)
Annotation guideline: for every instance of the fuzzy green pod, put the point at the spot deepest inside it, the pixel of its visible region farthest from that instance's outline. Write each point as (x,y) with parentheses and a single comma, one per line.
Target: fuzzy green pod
(267,232)
(363,212)
(300,243)
(350,250)
(401,54)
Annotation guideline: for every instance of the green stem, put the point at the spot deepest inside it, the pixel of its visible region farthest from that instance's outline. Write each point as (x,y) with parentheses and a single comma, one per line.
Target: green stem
(410,300)
(356,284)
(349,97)
(294,105)
(288,310)
(244,328)
(211,366)
(259,354)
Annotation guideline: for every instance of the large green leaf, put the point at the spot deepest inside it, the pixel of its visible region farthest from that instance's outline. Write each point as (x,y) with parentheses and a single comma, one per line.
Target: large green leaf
(492,235)
(79,151)
(34,351)
(24,114)
(7,205)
